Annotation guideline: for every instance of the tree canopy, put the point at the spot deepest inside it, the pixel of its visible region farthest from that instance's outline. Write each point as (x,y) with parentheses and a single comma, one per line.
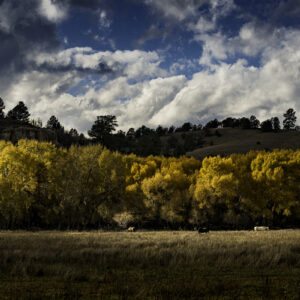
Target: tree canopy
(53,124)
(19,112)
(2,107)
(89,187)
(290,119)
(103,128)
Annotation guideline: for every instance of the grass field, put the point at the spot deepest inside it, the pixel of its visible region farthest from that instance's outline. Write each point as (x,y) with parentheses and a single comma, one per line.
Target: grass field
(150,265)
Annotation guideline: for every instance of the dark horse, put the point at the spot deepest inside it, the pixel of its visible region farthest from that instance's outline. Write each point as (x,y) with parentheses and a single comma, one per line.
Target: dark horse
(202,229)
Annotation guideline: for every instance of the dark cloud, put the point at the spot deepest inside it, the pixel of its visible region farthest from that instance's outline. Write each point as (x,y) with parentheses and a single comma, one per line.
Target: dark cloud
(287,9)
(25,32)
(154,32)
(101,68)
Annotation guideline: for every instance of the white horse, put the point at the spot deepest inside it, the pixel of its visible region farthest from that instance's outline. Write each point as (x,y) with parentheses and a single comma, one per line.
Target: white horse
(261,228)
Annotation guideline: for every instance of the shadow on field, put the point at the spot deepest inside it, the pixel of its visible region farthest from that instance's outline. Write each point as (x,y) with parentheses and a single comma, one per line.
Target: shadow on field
(150,265)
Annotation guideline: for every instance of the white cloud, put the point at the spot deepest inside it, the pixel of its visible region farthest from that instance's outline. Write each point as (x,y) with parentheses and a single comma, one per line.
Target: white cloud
(214,47)
(133,96)
(252,40)
(104,21)
(54,12)
(133,64)
(154,96)
(239,89)
(178,9)
(203,25)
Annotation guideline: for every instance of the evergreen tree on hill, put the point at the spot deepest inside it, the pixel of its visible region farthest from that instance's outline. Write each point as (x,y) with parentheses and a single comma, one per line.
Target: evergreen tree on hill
(73,132)
(19,112)
(228,122)
(266,126)
(275,123)
(53,123)
(2,107)
(254,122)
(290,119)
(103,128)
(171,129)
(213,124)
(245,123)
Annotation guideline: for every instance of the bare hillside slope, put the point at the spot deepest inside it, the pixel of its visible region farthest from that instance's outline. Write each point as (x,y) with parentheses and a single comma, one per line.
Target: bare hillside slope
(234,140)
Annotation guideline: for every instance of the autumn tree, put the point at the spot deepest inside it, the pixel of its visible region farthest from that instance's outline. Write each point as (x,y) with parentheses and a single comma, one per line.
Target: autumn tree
(216,186)
(278,173)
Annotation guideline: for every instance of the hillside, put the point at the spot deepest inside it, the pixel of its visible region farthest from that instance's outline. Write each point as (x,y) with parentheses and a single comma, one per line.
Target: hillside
(236,140)
(13,130)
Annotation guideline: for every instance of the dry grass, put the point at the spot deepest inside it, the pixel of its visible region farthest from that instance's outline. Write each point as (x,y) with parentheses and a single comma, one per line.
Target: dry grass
(235,140)
(150,265)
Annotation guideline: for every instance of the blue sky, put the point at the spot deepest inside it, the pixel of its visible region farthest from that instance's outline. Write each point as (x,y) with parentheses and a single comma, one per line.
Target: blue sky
(150,62)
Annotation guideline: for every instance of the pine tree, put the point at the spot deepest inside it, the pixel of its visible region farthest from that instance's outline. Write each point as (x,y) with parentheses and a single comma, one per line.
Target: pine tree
(290,119)
(53,123)
(103,127)
(2,107)
(19,112)
(275,124)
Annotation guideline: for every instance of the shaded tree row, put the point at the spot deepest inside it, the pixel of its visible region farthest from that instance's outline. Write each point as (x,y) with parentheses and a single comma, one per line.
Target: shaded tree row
(146,141)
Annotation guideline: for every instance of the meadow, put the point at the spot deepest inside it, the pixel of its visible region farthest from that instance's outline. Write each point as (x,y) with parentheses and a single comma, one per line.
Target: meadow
(150,265)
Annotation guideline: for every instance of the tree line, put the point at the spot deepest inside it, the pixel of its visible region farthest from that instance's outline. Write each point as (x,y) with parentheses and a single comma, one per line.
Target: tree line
(144,141)
(85,187)
(20,115)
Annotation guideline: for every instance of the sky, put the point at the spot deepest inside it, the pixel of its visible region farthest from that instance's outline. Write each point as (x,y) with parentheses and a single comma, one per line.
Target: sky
(150,62)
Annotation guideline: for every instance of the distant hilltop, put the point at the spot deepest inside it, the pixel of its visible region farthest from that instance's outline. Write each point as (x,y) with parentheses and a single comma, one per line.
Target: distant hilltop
(15,130)
(231,135)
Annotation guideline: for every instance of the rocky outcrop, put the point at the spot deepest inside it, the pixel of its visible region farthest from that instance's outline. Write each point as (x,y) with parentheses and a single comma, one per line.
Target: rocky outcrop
(14,134)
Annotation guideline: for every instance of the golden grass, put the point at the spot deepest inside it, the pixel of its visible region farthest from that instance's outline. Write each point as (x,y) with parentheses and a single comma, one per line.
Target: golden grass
(150,265)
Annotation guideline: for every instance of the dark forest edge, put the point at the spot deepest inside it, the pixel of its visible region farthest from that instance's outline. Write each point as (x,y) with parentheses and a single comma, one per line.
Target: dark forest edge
(144,141)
